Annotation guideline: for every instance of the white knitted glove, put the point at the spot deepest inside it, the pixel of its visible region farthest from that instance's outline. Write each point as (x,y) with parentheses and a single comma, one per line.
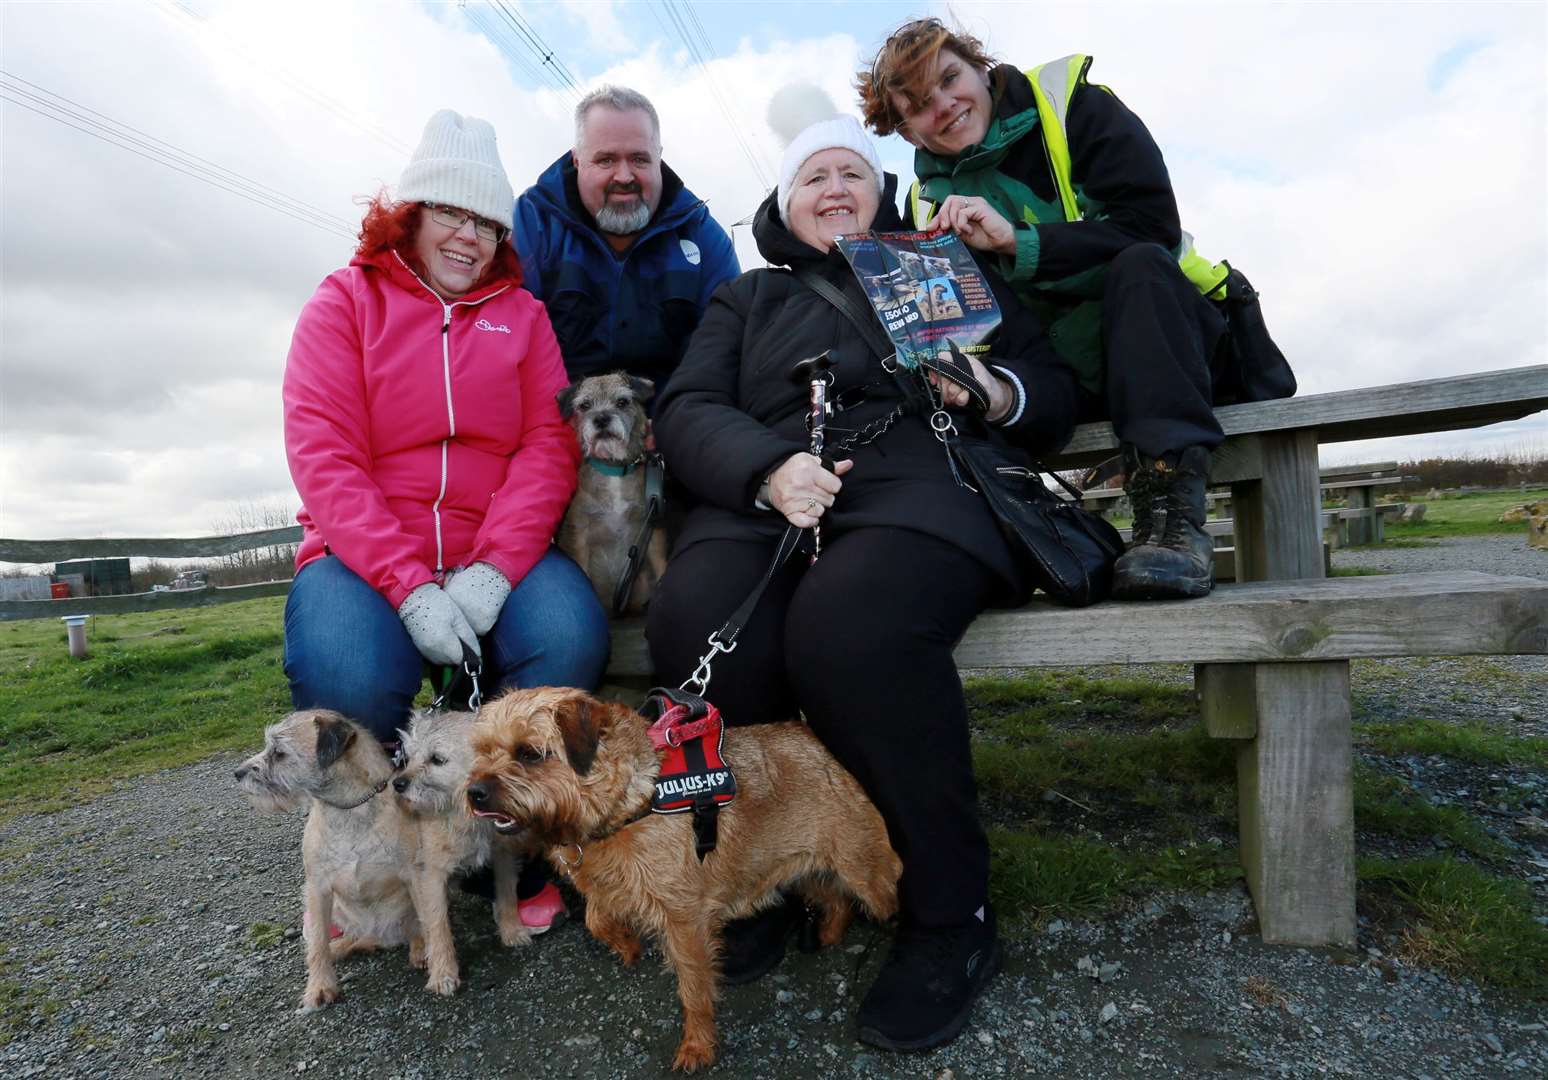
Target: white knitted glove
(480,592)
(437,625)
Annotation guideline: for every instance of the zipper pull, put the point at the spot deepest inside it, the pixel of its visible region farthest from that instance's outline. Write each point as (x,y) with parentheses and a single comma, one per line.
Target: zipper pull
(446,318)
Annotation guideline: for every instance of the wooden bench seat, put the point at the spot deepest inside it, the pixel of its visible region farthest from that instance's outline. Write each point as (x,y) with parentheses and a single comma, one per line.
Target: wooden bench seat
(1272,674)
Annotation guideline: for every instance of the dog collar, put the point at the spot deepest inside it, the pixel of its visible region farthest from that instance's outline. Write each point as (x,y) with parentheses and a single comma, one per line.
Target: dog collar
(356,805)
(580,851)
(615,468)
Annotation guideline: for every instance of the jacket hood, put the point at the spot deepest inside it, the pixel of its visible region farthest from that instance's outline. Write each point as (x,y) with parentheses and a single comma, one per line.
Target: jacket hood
(557,191)
(779,246)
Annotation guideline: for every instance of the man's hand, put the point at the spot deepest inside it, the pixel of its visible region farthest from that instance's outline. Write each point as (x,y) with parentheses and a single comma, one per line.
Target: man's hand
(980,225)
(802,489)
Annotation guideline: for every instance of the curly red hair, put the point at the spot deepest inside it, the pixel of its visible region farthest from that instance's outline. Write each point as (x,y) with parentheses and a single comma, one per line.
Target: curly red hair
(902,65)
(394,226)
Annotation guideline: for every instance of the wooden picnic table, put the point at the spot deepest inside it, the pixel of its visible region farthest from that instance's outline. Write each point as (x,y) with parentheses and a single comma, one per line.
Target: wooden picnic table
(1269,457)
(1364,526)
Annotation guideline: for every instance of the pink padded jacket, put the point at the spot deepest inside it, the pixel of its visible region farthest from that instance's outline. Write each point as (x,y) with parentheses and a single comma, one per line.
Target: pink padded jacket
(421,435)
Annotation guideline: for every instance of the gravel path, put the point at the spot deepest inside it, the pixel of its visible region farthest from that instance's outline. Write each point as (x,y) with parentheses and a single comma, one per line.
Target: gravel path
(153,933)
(1490,554)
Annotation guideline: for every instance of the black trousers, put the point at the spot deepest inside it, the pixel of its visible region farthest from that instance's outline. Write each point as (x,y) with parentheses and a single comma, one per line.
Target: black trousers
(1163,343)
(861,645)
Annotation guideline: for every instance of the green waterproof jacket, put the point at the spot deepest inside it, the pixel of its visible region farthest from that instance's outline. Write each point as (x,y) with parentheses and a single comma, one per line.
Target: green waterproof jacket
(1081,179)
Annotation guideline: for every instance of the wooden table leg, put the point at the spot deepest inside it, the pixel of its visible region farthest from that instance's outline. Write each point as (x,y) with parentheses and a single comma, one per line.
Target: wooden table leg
(1295,791)
(1360,531)
(1277,518)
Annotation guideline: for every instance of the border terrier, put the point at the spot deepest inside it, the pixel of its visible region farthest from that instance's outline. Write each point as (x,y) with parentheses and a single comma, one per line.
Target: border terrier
(437,752)
(376,867)
(579,774)
(607,414)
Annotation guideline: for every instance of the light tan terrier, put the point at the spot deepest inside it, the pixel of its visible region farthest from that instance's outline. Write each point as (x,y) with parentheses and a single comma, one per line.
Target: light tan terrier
(579,774)
(607,414)
(378,865)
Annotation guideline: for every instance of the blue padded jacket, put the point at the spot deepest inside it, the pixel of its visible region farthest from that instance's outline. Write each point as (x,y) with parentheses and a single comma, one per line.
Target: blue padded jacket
(632,311)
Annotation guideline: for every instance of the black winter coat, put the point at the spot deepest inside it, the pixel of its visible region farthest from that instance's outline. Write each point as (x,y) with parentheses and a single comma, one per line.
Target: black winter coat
(732,413)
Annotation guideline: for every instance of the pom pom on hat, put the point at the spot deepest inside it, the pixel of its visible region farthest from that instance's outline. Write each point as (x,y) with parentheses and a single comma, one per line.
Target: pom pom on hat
(457,164)
(806,120)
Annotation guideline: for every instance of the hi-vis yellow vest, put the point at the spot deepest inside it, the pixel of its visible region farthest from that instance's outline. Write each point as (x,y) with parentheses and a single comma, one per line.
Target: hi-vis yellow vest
(1053,87)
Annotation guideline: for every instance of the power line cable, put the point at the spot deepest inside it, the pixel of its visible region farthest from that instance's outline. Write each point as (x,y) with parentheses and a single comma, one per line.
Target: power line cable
(559,74)
(702,55)
(200,24)
(550,57)
(63,110)
(496,38)
(107,123)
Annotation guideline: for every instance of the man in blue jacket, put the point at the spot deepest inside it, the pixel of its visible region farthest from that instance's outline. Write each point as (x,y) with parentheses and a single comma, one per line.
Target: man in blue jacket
(623,256)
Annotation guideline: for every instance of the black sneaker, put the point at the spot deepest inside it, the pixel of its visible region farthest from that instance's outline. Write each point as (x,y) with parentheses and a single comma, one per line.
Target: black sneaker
(754,946)
(924,994)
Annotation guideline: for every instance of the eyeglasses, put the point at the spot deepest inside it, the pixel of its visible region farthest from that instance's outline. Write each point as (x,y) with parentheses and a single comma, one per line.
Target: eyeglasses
(454,218)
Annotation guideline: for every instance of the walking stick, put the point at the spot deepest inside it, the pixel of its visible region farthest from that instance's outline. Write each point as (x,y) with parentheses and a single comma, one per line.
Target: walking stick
(814,371)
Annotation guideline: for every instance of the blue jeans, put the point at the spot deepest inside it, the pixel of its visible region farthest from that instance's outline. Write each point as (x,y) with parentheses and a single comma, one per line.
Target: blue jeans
(346,650)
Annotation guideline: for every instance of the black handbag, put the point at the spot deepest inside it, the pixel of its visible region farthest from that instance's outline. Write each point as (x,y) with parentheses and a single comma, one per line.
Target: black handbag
(1256,369)
(1065,550)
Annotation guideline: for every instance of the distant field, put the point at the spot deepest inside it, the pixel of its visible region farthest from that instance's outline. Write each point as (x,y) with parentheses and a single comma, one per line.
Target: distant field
(160,689)
(1466,515)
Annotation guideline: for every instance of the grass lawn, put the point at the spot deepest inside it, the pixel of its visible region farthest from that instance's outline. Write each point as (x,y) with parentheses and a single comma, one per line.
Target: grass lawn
(159,689)
(1475,514)
(1096,791)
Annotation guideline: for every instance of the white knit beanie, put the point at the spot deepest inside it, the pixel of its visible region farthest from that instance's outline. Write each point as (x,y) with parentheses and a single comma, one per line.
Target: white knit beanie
(806,120)
(457,164)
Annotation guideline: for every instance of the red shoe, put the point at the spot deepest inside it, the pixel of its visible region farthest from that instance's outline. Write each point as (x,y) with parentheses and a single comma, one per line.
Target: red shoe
(306,923)
(539,913)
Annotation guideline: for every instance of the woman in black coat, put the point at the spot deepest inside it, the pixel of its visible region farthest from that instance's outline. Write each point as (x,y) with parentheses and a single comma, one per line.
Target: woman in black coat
(859,642)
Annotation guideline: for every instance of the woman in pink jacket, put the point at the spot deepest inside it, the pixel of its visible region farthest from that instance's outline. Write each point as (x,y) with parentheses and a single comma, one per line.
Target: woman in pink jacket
(424,437)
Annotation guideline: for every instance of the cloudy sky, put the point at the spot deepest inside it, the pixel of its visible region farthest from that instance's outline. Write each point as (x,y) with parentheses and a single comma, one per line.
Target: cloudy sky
(1378,170)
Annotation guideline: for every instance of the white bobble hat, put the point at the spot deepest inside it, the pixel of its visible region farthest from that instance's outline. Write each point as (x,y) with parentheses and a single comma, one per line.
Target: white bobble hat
(806,120)
(457,164)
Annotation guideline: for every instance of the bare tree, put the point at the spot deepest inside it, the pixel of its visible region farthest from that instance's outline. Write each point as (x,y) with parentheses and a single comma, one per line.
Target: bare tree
(274,562)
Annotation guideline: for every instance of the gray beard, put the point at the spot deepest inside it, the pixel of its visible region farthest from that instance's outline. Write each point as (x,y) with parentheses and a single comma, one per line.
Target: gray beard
(623,222)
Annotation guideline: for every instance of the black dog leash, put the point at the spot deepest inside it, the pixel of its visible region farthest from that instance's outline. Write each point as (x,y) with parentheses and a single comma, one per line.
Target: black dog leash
(655,510)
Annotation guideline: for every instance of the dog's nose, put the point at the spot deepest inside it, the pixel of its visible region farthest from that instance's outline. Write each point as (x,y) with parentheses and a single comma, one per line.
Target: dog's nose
(601,421)
(241,773)
(478,793)
(400,784)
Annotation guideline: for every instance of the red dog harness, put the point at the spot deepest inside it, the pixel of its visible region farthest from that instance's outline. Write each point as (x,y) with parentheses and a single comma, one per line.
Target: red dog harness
(694,775)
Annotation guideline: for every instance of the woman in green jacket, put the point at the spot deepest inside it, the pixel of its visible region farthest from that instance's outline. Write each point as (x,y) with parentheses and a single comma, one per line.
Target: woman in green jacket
(1064,185)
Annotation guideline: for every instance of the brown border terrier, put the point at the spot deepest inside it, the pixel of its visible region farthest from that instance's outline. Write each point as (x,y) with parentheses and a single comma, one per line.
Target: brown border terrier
(607,414)
(579,774)
(378,868)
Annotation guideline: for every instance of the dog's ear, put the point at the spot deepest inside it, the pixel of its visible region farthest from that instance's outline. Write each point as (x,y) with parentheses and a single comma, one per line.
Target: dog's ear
(643,389)
(334,734)
(578,718)
(566,399)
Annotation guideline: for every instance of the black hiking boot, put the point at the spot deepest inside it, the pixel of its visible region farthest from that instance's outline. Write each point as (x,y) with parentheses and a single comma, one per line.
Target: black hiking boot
(925,992)
(1171,556)
(754,946)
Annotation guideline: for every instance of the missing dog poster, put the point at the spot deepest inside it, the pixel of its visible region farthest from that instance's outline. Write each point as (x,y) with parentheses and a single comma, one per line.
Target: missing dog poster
(926,290)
